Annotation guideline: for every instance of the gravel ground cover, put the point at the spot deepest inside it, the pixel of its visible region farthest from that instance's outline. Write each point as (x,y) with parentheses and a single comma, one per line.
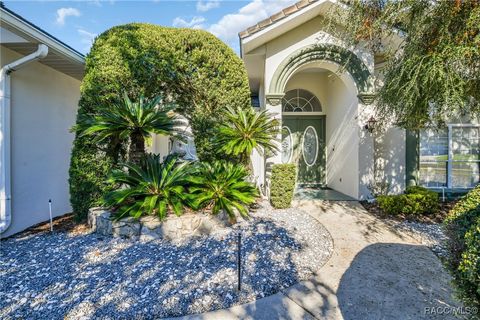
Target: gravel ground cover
(82,276)
(425,228)
(431,235)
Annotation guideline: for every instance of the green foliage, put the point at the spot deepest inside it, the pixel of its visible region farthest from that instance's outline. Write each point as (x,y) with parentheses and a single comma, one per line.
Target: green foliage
(245,130)
(88,174)
(417,189)
(415,201)
(191,67)
(90,165)
(462,210)
(391,204)
(135,121)
(222,186)
(151,188)
(434,75)
(463,230)
(282,185)
(155,188)
(469,268)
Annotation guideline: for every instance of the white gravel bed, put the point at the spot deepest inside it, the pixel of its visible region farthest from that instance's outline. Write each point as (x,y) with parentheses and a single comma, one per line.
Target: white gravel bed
(431,235)
(54,276)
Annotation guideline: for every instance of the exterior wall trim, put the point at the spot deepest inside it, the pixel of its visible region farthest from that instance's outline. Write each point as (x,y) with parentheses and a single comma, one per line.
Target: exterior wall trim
(274,99)
(13,21)
(326,52)
(411,157)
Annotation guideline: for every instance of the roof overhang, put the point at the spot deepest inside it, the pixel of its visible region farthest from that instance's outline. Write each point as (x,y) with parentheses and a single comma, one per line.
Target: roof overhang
(21,36)
(254,39)
(276,28)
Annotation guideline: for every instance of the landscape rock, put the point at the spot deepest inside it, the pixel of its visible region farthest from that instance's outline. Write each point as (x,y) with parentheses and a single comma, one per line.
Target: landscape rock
(126,227)
(150,228)
(73,276)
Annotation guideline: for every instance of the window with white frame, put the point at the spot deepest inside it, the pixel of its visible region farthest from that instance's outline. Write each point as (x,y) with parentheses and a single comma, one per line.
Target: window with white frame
(450,157)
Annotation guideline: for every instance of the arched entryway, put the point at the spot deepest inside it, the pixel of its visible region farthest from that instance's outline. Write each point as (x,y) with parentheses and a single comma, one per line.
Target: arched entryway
(303,136)
(319,90)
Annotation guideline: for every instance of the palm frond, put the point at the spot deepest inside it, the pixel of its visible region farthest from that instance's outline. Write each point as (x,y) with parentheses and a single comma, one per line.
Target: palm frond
(246,130)
(151,188)
(222,186)
(129,119)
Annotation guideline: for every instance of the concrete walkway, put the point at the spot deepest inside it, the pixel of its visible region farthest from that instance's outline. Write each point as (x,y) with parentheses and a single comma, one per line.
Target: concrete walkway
(374,273)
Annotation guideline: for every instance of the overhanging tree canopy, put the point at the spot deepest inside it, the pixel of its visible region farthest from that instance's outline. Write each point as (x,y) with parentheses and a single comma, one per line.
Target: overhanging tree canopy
(193,68)
(434,75)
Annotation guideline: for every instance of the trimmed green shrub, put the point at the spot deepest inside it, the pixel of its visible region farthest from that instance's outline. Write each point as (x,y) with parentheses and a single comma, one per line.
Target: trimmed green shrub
(417,189)
(415,201)
(469,268)
(392,204)
(150,187)
(282,185)
(463,230)
(223,186)
(193,68)
(88,175)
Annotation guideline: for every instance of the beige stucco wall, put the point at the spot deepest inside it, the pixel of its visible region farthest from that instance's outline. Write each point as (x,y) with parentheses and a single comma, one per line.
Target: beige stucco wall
(159,145)
(350,150)
(310,33)
(258,161)
(43,109)
(391,158)
(390,151)
(314,81)
(342,138)
(340,106)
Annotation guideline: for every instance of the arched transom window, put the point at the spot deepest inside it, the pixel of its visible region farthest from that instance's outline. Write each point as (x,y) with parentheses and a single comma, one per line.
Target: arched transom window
(299,100)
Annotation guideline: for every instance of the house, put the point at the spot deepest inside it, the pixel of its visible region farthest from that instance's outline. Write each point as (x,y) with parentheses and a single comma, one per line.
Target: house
(40,88)
(321,92)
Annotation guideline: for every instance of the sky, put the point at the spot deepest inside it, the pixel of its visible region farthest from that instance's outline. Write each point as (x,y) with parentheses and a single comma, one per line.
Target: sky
(78,22)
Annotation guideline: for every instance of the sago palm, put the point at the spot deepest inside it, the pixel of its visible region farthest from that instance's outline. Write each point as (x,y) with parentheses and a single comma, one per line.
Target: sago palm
(133,120)
(246,130)
(222,186)
(149,188)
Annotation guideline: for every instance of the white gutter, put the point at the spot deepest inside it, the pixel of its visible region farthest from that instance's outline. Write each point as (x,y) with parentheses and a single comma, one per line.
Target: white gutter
(34,34)
(5,171)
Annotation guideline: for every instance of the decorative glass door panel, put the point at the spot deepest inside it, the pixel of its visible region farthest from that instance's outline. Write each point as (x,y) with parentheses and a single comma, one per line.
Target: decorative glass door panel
(303,143)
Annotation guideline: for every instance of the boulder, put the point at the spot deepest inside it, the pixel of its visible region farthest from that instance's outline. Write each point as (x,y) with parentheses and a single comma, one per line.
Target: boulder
(126,228)
(150,228)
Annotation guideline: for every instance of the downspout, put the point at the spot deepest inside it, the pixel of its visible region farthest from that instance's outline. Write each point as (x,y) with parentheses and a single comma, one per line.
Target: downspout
(5,170)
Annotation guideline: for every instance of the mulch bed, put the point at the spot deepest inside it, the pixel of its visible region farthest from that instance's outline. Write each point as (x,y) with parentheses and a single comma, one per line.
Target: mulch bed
(437,217)
(67,223)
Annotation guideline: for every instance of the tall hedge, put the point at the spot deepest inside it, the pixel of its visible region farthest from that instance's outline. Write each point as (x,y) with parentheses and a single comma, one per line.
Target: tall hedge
(463,228)
(191,67)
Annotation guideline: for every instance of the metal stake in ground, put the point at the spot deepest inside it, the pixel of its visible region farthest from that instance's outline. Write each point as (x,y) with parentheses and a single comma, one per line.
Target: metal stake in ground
(239,260)
(50,212)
